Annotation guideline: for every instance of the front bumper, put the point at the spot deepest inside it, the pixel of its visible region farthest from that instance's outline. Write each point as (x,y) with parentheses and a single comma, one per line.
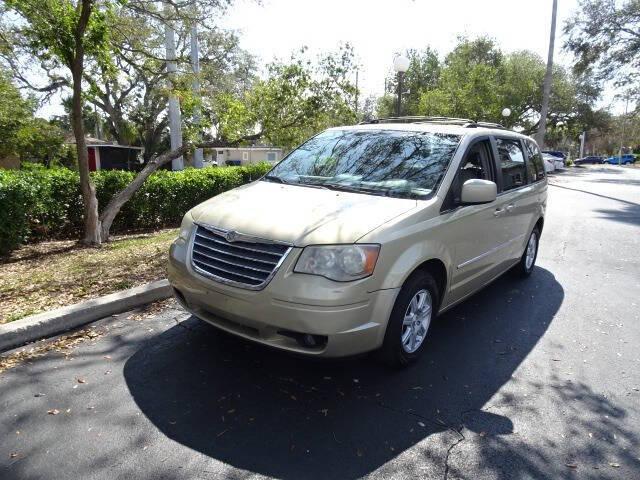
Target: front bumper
(347,316)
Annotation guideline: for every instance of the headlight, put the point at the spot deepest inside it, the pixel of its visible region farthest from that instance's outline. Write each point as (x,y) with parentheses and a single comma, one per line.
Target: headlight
(342,263)
(186,226)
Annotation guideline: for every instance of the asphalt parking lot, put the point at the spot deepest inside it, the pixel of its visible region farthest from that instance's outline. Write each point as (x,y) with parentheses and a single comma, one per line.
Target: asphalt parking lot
(528,379)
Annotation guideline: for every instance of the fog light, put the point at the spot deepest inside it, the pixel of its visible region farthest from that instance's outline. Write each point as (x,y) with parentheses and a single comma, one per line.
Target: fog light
(308,340)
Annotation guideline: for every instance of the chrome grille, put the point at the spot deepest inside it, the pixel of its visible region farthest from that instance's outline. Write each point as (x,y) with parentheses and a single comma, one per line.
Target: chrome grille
(247,262)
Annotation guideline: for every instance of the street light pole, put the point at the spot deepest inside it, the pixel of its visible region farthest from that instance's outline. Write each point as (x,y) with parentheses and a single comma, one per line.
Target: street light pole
(400,65)
(399,101)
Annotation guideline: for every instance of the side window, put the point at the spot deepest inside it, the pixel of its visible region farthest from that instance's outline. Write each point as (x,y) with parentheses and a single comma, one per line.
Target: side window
(535,164)
(512,164)
(475,164)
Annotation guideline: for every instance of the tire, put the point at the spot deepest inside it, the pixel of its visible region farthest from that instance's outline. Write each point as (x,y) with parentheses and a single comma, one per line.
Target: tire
(526,264)
(394,351)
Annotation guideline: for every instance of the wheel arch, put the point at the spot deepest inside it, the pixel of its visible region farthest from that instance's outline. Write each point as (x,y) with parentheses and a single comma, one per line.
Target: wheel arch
(438,270)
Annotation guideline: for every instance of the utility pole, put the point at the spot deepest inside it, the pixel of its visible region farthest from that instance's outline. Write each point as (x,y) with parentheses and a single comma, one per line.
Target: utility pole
(624,122)
(175,119)
(548,77)
(97,117)
(195,65)
(356,93)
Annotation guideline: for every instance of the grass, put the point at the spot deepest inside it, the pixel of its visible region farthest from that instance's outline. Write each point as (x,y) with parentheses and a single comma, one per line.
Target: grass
(50,275)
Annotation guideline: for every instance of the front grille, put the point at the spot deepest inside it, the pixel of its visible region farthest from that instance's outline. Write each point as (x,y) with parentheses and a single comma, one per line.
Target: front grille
(248,262)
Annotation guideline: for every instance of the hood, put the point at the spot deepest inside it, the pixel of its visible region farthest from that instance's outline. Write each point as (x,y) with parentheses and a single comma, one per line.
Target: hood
(299,215)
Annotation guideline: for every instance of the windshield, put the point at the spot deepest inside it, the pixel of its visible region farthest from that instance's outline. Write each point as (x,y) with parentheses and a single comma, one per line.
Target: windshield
(394,163)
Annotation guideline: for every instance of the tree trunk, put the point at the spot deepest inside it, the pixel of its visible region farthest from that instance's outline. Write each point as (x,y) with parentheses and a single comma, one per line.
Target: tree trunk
(117,201)
(89,199)
(122,197)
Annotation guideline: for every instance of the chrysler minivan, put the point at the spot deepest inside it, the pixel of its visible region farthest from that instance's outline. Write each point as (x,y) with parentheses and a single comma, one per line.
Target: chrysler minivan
(362,235)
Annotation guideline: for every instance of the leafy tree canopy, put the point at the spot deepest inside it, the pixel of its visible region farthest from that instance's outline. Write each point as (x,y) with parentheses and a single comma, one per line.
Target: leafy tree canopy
(29,138)
(604,36)
(295,101)
(477,80)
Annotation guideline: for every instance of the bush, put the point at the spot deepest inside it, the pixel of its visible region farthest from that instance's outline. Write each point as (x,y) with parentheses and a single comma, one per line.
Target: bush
(39,204)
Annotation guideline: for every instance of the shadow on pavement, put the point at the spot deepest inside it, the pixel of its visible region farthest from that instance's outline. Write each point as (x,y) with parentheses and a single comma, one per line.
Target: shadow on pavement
(628,213)
(274,414)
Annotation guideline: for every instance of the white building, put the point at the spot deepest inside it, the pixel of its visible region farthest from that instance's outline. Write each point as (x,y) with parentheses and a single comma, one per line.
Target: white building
(244,155)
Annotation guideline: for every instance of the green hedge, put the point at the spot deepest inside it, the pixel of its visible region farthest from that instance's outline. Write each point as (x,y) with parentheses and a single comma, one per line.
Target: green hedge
(38,204)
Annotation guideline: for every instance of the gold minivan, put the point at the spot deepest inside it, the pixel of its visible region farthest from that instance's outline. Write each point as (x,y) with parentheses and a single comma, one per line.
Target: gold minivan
(362,235)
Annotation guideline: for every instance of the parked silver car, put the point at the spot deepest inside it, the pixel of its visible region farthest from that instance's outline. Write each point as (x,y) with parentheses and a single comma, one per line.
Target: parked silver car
(362,235)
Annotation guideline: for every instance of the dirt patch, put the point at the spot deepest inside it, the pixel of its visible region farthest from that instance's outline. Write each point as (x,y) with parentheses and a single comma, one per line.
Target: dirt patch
(50,275)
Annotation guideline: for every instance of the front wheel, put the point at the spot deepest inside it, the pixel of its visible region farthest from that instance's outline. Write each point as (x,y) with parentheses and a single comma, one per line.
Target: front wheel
(528,259)
(408,326)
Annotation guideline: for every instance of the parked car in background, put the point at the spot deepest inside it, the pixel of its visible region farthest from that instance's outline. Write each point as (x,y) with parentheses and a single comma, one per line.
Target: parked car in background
(362,235)
(589,160)
(549,162)
(560,163)
(555,153)
(626,159)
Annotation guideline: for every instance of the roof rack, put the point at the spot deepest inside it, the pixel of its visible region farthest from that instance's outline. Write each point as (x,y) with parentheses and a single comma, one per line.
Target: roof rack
(464,122)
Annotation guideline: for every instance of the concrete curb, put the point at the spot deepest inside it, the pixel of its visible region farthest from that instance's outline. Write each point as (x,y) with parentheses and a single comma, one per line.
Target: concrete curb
(46,324)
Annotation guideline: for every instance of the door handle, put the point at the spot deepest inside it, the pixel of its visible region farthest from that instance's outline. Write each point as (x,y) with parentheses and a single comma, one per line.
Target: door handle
(497,212)
(510,207)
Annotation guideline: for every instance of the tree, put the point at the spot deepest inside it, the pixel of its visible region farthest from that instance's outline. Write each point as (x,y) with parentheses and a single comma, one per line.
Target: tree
(478,81)
(133,102)
(22,135)
(65,32)
(41,141)
(604,36)
(469,83)
(65,35)
(15,113)
(295,101)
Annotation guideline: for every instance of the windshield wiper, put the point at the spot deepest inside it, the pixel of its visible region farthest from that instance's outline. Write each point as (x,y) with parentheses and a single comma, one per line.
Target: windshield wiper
(273,178)
(350,188)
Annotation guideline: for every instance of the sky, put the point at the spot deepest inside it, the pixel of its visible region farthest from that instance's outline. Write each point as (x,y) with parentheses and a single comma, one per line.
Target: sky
(378,29)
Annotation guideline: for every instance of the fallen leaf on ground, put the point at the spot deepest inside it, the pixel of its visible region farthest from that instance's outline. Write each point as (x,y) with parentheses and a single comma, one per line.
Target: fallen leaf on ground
(53,411)
(81,380)
(615,465)
(571,465)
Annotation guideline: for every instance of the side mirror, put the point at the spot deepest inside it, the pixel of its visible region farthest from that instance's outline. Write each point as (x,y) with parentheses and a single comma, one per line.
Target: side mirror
(476,191)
